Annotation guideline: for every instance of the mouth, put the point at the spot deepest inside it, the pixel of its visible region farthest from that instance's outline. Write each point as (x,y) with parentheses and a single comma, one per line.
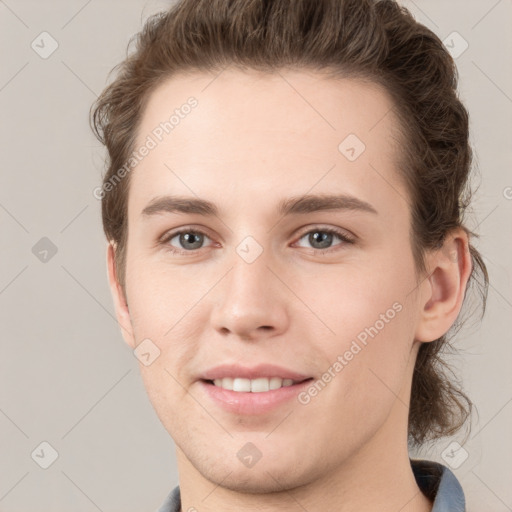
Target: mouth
(251,390)
(252,397)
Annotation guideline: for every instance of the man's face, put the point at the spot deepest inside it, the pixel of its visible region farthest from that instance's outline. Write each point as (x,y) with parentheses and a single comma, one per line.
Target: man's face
(250,286)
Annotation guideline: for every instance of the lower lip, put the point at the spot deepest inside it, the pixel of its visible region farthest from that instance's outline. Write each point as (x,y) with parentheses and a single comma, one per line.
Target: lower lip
(252,403)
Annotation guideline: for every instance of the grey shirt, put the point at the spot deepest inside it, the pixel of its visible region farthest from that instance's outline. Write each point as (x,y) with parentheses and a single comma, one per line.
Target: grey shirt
(436,481)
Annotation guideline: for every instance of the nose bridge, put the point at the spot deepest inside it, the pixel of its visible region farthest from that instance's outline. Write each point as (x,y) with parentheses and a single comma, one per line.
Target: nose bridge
(250,269)
(250,280)
(252,251)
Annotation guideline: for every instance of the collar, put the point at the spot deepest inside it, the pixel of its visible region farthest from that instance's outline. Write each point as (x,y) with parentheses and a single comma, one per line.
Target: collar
(440,485)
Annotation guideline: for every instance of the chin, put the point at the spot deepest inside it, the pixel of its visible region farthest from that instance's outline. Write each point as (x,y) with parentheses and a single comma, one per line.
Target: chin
(253,481)
(271,473)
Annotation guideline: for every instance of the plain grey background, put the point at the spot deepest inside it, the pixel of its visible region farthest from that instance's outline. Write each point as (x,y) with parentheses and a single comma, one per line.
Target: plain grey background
(66,376)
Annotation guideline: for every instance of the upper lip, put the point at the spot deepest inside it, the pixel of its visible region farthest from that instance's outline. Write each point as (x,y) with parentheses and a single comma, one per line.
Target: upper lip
(252,372)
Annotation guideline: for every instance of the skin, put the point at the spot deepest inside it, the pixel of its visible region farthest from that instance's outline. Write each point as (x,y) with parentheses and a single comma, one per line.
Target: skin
(252,141)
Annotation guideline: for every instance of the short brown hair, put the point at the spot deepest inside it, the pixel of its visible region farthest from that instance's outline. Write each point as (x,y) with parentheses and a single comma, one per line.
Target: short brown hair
(377,41)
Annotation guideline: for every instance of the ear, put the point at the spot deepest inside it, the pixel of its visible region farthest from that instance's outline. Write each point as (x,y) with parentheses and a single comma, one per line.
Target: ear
(442,293)
(122,312)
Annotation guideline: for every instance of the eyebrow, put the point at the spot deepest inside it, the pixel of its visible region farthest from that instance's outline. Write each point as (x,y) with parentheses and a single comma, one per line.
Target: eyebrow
(294,205)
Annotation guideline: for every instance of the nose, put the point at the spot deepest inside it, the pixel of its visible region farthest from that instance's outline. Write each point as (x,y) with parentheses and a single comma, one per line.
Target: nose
(252,301)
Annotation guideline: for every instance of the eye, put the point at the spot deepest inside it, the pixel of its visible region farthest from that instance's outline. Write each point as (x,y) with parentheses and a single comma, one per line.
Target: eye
(321,239)
(187,240)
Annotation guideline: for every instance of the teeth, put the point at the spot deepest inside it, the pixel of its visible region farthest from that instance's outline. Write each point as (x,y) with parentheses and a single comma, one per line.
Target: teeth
(258,385)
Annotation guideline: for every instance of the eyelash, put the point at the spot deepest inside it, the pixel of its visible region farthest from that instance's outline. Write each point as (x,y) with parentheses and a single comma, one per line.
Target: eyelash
(331,231)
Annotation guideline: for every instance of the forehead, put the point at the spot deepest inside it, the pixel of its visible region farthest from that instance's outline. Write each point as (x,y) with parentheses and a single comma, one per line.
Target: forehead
(217,134)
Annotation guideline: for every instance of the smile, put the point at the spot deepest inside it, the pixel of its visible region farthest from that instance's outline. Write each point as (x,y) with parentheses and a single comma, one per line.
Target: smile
(258,385)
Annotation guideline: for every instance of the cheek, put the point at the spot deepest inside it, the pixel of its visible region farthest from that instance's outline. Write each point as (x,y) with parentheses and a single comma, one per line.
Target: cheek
(159,297)
(366,363)
(163,307)
(371,319)
(355,302)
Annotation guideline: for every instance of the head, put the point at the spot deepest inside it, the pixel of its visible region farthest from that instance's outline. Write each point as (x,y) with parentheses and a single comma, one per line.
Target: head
(274,101)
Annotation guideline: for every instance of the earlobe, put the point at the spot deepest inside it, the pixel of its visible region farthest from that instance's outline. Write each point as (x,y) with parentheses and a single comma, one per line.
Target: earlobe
(120,304)
(442,292)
